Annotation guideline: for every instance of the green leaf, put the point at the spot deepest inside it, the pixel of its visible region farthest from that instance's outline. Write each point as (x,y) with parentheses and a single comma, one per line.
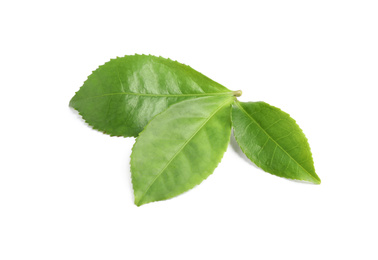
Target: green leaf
(180,148)
(124,94)
(273,141)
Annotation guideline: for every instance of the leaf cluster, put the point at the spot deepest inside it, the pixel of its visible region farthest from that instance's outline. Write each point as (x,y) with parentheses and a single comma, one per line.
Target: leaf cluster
(183,121)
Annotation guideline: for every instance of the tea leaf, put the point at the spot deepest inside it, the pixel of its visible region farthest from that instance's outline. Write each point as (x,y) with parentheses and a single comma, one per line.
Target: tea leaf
(124,94)
(273,141)
(180,148)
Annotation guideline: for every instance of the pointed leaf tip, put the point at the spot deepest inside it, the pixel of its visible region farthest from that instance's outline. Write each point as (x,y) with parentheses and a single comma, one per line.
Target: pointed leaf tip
(273,141)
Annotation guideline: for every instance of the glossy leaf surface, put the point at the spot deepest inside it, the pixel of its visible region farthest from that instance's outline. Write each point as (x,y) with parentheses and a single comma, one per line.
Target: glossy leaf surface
(180,148)
(273,141)
(124,94)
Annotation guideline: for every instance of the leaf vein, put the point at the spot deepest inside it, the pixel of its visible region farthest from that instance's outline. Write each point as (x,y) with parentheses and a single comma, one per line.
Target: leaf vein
(270,137)
(262,147)
(181,148)
(273,124)
(274,151)
(159,95)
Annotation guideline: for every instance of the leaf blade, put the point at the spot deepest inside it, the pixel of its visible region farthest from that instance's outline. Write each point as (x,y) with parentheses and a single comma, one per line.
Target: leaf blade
(273,141)
(180,148)
(124,94)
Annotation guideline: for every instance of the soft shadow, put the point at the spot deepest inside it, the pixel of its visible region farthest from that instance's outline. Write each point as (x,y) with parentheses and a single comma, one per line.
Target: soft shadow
(79,117)
(127,177)
(303,182)
(126,173)
(74,111)
(235,146)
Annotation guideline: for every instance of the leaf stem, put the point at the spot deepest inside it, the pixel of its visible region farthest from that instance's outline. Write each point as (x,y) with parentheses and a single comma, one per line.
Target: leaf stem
(237,93)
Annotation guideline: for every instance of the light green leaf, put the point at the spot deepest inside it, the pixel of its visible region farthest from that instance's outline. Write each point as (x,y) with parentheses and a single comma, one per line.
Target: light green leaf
(273,141)
(180,148)
(124,94)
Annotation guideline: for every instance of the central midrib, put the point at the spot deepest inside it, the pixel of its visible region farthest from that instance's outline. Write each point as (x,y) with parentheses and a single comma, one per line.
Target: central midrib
(161,95)
(238,104)
(181,148)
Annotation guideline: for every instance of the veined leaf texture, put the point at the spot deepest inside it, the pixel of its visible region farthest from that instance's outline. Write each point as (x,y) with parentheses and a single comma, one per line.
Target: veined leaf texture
(124,94)
(182,121)
(273,141)
(180,148)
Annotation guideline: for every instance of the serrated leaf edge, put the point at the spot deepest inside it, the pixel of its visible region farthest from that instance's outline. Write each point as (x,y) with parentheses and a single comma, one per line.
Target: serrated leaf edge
(83,115)
(317,179)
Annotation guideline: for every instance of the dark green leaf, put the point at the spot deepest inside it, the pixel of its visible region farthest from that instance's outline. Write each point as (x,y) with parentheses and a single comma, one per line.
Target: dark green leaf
(273,141)
(180,148)
(124,94)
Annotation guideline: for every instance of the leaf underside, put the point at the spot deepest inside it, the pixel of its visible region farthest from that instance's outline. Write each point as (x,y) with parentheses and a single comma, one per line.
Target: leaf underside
(124,94)
(180,148)
(273,141)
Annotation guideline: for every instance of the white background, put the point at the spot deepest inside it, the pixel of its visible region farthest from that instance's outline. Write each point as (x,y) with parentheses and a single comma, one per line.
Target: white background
(65,189)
